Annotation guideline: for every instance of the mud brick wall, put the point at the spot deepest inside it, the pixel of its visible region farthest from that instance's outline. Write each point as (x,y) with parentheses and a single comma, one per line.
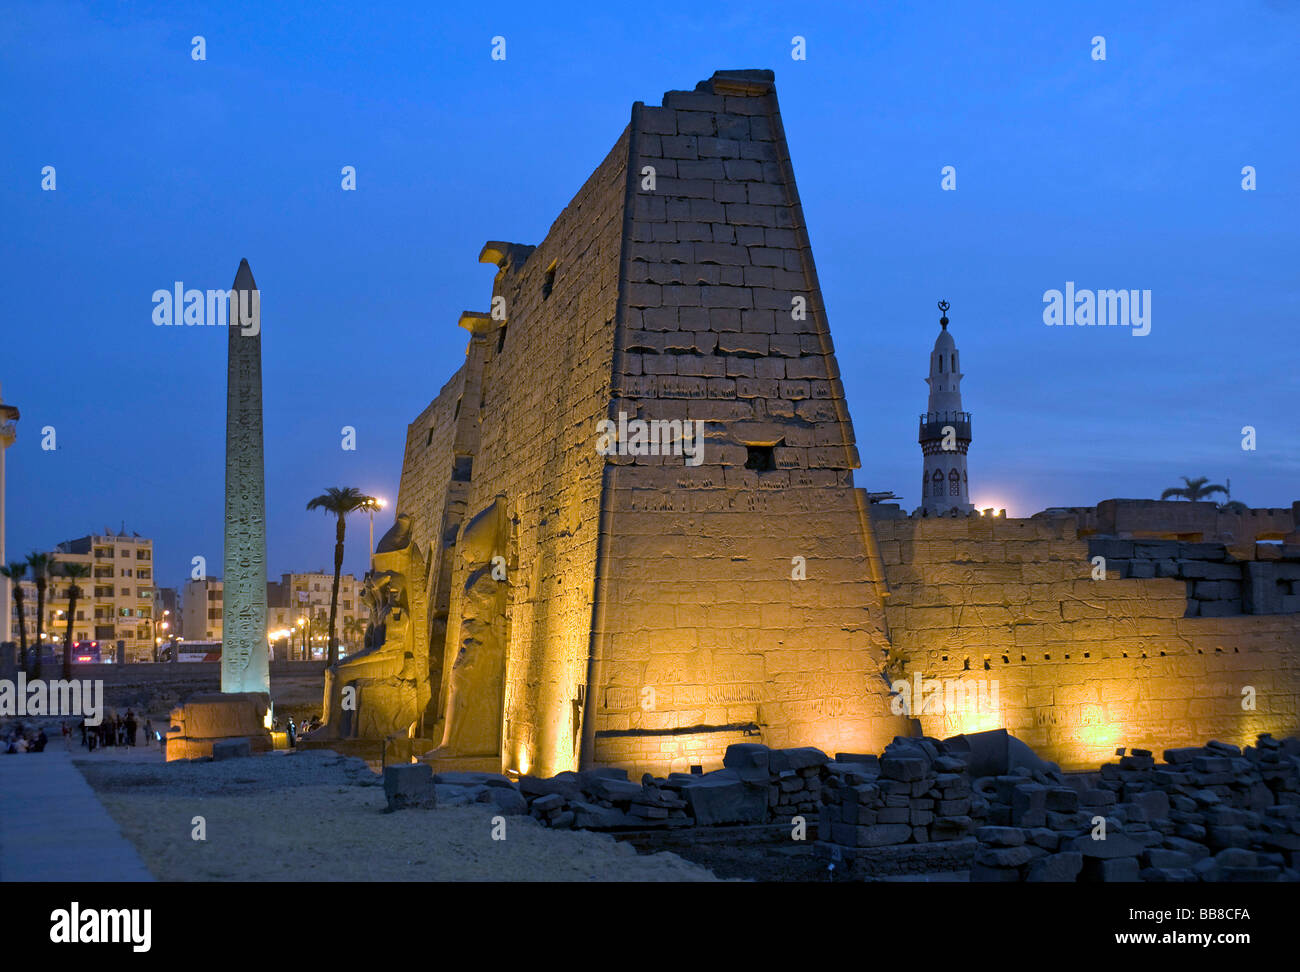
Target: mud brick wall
(1081,665)
(706,636)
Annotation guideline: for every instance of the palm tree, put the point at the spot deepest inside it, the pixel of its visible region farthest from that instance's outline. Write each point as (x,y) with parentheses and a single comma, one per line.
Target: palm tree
(353,629)
(16,572)
(40,566)
(1194,489)
(340,502)
(73,572)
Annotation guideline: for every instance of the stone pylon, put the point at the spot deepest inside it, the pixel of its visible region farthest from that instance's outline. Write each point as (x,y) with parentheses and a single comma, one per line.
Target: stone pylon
(245,655)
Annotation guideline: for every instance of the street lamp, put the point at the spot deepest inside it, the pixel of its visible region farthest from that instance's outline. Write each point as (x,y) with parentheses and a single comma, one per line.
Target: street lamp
(157,622)
(372,504)
(305,625)
(280,634)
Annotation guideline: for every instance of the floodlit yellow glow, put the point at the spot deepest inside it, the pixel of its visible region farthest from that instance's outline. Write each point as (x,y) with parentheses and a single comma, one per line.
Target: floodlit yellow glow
(972,722)
(1097,738)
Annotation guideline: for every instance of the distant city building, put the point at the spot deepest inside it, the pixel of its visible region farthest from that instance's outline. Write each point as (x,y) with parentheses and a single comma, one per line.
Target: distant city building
(8,432)
(945,430)
(303,596)
(307,596)
(201,610)
(116,606)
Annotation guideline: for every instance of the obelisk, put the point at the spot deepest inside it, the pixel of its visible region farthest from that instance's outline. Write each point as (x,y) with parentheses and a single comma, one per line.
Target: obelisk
(245,655)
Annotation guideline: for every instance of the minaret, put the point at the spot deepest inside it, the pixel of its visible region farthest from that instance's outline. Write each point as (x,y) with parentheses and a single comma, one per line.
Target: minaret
(945,430)
(245,655)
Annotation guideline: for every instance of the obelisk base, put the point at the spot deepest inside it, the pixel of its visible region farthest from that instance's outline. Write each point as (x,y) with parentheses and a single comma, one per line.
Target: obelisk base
(215,717)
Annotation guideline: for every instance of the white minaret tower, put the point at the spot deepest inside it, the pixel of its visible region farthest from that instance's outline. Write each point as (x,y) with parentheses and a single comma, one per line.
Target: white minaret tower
(945,431)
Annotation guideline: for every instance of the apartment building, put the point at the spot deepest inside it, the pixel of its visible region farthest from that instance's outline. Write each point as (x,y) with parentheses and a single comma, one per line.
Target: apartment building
(116,605)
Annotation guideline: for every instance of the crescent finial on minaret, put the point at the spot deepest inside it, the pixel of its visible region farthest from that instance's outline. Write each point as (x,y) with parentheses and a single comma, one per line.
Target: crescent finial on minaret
(943,309)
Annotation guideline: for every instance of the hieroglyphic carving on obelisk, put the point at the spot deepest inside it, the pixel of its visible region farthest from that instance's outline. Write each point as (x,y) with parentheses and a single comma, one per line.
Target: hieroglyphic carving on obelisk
(245,657)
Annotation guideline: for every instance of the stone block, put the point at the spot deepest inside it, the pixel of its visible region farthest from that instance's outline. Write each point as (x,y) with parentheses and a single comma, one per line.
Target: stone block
(1004,856)
(567,787)
(1056,868)
(1164,858)
(614,791)
(723,801)
(1062,799)
(1000,836)
(1154,804)
(409,785)
(904,768)
(507,800)
(1260,590)
(803,757)
(1113,846)
(1110,869)
(472,778)
(881,835)
(231,749)
(549,803)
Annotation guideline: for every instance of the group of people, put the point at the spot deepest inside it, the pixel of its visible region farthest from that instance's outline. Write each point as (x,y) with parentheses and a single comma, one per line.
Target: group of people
(115,730)
(296,730)
(16,739)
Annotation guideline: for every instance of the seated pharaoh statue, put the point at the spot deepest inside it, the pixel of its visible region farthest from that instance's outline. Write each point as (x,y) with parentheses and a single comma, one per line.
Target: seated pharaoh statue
(380,692)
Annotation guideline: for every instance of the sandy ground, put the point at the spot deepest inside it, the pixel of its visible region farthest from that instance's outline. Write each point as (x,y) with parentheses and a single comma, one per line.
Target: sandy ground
(315,816)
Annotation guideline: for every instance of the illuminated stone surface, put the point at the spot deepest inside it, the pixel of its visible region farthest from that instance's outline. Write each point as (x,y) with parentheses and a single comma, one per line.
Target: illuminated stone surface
(214,718)
(245,655)
(654,611)
(386,684)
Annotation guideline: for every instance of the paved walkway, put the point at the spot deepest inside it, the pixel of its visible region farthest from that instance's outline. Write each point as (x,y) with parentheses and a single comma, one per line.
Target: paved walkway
(52,826)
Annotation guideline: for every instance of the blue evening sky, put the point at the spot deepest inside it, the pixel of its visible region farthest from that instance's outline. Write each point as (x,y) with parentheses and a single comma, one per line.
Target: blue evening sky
(1123,173)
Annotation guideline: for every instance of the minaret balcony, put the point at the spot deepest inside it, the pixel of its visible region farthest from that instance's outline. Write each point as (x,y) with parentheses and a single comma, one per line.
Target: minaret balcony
(933,424)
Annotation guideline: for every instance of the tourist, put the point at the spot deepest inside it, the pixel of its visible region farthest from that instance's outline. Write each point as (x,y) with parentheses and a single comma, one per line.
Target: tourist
(148,732)
(41,742)
(130,726)
(292,740)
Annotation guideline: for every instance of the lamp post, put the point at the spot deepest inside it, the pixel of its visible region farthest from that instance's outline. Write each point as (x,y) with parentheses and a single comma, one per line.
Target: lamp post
(375,503)
(280,634)
(157,641)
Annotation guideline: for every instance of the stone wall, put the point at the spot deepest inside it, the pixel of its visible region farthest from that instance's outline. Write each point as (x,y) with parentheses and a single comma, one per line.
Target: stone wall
(712,634)
(1080,666)
(427,464)
(1179,520)
(517,421)
(659,611)
(1218,583)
